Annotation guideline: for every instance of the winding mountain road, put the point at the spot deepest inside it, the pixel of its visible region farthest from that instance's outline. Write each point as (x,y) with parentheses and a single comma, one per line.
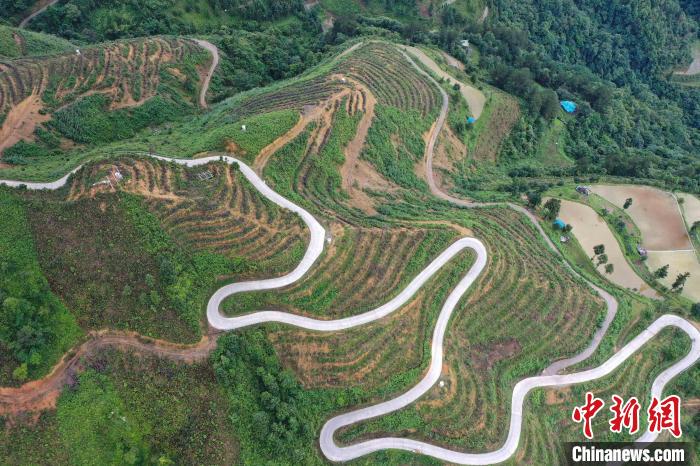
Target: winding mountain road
(328,446)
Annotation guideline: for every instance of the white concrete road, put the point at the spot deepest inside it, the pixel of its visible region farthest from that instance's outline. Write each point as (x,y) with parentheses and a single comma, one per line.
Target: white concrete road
(335,452)
(328,446)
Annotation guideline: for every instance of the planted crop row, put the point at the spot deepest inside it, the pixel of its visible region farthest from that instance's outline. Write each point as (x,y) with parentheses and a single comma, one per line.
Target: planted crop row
(391,78)
(547,413)
(523,313)
(382,356)
(126,71)
(292,97)
(223,214)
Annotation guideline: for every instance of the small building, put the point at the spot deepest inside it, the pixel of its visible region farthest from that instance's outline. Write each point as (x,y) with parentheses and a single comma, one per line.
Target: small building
(585,190)
(564,239)
(465,43)
(559,224)
(471,120)
(568,106)
(642,251)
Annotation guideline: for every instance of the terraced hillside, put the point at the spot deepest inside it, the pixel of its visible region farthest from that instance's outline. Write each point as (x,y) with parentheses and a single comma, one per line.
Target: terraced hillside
(127,72)
(16,43)
(210,209)
(525,312)
(99,93)
(141,244)
(141,252)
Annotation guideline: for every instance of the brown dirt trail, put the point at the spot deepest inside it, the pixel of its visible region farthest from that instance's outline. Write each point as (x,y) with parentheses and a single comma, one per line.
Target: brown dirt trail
(39,395)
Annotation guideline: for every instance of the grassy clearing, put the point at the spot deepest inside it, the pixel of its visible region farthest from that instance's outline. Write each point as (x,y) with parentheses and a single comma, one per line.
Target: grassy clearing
(550,152)
(36,328)
(15,43)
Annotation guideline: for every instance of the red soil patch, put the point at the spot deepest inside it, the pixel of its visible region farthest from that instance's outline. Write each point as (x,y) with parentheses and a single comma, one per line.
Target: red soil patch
(21,122)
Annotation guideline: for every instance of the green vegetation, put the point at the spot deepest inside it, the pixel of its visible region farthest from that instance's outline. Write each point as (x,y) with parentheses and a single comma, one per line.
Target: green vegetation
(15,43)
(548,412)
(99,263)
(130,410)
(89,121)
(35,327)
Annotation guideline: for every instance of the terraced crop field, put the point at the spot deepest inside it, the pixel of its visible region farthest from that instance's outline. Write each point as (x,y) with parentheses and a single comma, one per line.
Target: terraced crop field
(391,78)
(128,72)
(362,269)
(374,360)
(292,97)
(523,313)
(223,214)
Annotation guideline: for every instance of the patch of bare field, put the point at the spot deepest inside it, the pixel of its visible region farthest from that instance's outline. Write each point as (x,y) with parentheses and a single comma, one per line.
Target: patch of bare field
(678,262)
(591,230)
(690,208)
(656,213)
(21,122)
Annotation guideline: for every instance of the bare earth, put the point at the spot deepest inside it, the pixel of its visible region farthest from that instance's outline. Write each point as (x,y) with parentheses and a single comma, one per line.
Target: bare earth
(474,97)
(690,208)
(679,262)
(590,230)
(655,212)
(21,121)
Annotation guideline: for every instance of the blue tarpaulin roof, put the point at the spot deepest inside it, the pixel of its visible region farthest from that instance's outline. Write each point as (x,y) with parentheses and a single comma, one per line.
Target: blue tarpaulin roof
(568,106)
(471,120)
(559,223)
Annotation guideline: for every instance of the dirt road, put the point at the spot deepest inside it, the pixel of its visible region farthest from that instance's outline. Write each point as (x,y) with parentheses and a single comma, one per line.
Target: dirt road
(214,63)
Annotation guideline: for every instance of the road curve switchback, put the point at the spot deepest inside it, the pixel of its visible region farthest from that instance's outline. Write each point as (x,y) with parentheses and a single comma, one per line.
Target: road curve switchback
(328,445)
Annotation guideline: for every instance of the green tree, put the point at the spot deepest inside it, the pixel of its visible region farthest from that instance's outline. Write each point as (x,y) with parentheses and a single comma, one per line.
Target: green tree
(550,105)
(21,372)
(680,281)
(551,208)
(609,268)
(598,250)
(661,272)
(602,259)
(628,202)
(534,198)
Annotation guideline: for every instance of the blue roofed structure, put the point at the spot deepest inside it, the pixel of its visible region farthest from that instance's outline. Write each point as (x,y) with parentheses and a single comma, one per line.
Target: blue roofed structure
(559,223)
(568,106)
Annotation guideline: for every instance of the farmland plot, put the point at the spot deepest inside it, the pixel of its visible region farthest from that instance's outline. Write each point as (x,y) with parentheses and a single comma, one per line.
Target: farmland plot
(591,230)
(655,212)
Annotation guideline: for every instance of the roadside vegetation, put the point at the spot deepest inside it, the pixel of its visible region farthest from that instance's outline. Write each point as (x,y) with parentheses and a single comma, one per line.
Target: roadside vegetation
(36,328)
